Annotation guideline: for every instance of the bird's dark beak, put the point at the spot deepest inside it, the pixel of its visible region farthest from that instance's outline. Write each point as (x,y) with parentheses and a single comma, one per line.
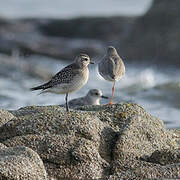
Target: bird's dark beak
(105,97)
(91,62)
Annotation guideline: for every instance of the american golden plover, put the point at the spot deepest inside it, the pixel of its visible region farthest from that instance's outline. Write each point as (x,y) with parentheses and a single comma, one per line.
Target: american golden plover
(69,79)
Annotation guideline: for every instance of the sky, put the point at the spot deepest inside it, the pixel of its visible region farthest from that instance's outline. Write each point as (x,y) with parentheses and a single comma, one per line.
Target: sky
(70,8)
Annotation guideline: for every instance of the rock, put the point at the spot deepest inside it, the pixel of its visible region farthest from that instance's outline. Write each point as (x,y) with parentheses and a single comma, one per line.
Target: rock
(62,38)
(108,142)
(21,163)
(25,36)
(165,157)
(142,142)
(177,135)
(102,28)
(67,156)
(2,21)
(134,169)
(2,146)
(74,145)
(155,36)
(50,120)
(5,116)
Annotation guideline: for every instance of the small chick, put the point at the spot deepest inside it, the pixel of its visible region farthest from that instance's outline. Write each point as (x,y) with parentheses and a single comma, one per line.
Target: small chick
(92,98)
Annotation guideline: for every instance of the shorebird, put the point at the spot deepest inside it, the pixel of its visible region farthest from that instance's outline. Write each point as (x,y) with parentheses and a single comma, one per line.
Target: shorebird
(92,98)
(111,68)
(69,79)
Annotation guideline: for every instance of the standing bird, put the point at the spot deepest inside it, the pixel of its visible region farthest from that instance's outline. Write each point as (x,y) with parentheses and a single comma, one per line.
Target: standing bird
(69,79)
(111,68)
(92,98)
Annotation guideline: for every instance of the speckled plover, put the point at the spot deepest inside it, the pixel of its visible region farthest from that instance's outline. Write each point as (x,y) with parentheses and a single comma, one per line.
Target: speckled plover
(69,79)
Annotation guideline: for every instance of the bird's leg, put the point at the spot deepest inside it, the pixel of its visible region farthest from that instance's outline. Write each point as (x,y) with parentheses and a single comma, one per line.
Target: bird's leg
(113,89)
(67,106)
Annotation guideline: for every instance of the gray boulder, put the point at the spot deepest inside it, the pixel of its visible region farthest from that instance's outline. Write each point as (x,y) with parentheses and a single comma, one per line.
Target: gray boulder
(20,163)
(91,142)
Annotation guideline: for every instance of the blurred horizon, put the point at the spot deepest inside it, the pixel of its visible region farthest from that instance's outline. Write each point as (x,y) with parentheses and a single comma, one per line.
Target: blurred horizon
(66,9)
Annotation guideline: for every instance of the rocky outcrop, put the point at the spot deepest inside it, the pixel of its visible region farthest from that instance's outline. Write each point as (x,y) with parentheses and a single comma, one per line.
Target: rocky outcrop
(108,142)
(155,36)
(105,29)
(26,37)
(21,163)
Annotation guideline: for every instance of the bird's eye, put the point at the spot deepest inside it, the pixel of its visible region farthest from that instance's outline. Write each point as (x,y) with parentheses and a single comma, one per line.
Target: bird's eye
(96,94)
(86,59)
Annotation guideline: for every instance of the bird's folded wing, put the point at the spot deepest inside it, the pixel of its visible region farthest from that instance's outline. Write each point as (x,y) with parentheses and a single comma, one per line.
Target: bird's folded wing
(112,67)
(64,76)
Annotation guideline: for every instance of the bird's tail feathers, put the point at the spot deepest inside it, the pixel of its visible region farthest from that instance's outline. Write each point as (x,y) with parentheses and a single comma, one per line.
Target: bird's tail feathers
(36,88)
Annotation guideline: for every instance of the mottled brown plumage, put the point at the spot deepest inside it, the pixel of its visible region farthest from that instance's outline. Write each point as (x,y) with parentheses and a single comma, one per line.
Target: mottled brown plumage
(65,76)
(69,79)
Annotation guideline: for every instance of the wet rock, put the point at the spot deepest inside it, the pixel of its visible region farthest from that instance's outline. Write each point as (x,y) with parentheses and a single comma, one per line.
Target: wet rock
(155,36)
(26,37)
(21,163)
(105,29)
(116,141)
